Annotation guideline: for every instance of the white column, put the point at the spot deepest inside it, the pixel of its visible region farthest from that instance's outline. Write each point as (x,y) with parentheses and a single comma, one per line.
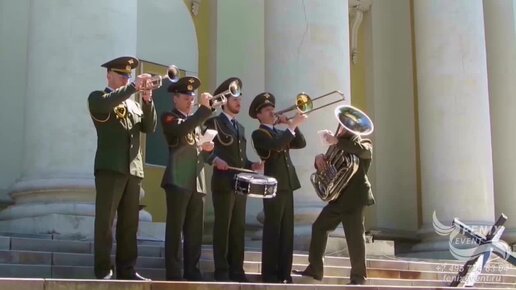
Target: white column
(66,45)
(454,125)
(390,92)
(500,25)
(307,49)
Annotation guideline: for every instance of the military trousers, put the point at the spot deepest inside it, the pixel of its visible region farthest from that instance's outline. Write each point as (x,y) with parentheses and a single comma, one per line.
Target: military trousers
(118,194)
(278,238)
(185,222)
(353,222)
(229,234)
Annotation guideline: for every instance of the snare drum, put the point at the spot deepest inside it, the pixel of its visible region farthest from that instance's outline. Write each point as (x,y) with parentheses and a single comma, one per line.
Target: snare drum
(255,185)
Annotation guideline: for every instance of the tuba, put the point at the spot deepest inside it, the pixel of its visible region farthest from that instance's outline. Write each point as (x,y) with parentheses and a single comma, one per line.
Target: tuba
(342,165)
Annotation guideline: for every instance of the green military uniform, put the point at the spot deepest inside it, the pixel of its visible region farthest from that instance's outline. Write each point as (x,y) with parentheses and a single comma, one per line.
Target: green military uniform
(273,146)
(118,169)
(229,208)
(347,209)
(183,182)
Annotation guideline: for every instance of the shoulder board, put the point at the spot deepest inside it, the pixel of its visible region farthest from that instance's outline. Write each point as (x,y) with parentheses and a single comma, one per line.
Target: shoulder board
(265,131)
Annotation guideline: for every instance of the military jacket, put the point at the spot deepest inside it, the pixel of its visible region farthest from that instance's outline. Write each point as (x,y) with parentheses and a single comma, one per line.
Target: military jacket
(230,146)
(358,192)
(185,165)
(119,121)
(273,147)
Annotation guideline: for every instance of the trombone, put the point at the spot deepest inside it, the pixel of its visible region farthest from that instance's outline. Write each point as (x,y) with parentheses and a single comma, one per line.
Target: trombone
(220,99)
(305,104)
(155,82)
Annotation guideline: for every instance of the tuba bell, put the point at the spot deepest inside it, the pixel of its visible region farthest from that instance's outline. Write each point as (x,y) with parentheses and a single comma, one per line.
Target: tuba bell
(330,182)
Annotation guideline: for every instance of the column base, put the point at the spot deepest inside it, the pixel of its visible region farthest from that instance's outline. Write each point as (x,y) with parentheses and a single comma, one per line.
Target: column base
(75,227)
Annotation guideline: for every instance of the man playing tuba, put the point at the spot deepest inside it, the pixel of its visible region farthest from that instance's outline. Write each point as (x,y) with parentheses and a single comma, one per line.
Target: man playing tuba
(347,208)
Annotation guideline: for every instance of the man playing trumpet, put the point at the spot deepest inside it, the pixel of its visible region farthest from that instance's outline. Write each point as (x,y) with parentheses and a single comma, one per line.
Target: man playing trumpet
(348,209)
(183,180)
(118,165)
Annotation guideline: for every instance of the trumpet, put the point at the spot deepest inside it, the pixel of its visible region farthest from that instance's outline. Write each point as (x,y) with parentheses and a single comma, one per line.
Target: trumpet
(156,81)
(305,104)
(220,99)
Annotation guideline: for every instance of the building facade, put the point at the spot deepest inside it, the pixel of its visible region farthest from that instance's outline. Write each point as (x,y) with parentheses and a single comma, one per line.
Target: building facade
(436,77)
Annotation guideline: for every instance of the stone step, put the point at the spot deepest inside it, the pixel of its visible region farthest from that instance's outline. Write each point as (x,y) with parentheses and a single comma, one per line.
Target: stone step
(45,257)
(300,282)
(25,271)
(56,284)
(71,246)
(333,264)
(73,259)
(336,275)
(25,257)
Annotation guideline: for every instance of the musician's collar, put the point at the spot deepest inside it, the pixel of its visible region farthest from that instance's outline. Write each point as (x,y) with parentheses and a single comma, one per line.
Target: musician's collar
(182,113)
(228,116)
(268,126)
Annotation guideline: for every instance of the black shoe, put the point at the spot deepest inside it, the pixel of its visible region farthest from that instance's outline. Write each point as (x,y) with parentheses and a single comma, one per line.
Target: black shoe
(134,276)
(108,276)
(357,282)
(194,277)
(270,280)
(308,273)
(175,278)
(221,276)
(240,278)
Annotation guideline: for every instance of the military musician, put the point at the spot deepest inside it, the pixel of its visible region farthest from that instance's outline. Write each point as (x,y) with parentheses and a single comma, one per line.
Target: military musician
(273,146)
(183,180)
(119,121)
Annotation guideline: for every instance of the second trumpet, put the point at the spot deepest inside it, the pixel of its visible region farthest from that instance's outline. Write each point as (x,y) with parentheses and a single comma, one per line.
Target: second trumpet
(221,99)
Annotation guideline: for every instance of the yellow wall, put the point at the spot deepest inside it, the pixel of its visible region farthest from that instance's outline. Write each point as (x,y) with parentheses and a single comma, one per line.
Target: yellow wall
(358,82)
(202,25)
(154,195)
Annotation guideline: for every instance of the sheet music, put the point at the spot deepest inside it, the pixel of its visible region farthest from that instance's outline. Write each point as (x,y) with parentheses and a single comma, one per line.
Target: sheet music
(208,136)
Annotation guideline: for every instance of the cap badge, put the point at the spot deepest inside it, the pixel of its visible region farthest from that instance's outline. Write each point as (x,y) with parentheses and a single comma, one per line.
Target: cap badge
(266,95)
(131,61)
(189,87)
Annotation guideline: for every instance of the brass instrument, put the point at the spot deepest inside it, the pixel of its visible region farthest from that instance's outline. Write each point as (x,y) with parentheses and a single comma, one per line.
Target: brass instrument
(156,81)
(305,104)
(342,165)
(220,99)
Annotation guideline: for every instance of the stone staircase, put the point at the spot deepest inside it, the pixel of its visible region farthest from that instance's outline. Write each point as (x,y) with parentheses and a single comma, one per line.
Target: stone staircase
(44,258)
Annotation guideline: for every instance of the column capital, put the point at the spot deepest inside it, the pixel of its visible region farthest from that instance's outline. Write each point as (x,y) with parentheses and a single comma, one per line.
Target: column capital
(357,8)
(360,5)
(195,5)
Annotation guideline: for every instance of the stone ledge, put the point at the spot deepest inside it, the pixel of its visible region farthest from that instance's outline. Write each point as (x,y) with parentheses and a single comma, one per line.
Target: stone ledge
(72,227)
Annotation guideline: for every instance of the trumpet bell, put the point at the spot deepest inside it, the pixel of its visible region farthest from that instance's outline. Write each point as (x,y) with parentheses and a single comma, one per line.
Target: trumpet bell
(304,103)
(234,89)
(354,120)
(173,73)
(157,81)
(220,99)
